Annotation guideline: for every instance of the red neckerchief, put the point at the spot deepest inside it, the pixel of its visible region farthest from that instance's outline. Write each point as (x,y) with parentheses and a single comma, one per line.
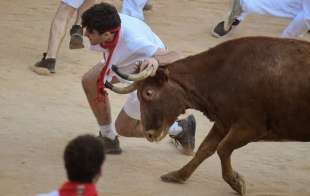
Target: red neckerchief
(110,46)
(77,189)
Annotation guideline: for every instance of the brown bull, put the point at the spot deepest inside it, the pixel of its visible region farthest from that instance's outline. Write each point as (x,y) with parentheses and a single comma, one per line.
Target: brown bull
(253,88)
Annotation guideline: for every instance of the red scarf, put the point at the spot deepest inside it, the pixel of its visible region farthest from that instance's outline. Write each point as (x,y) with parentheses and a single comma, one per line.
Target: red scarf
(77,189)
(110,46)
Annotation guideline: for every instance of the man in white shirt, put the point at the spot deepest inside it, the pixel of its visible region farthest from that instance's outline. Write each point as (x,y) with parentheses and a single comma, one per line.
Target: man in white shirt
(64,13)
(124,40)
(298,10)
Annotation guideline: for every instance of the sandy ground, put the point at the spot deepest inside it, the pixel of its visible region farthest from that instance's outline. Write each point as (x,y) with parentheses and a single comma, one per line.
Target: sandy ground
(40,114)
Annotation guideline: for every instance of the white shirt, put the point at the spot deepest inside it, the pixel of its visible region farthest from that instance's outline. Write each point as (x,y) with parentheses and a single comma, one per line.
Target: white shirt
(137,41)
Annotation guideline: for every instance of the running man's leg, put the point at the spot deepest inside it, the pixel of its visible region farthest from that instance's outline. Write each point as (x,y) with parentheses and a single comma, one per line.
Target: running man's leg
(101,111)
(56,35)
(233,19)
(76,31)
(59,25)
(300,24)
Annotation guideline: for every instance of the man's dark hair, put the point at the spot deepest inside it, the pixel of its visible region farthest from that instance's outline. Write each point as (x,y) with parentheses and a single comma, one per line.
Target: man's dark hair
(83,157)
(101,17)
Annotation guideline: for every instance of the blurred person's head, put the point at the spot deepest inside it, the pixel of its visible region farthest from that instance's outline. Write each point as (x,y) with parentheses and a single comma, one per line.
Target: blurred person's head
(84,157)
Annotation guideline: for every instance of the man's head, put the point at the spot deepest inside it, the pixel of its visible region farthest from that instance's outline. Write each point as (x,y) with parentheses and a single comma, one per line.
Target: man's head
(100,20)
(83,157)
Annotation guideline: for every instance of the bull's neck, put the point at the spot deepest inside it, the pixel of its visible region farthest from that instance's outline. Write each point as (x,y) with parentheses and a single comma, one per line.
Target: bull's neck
(186,76)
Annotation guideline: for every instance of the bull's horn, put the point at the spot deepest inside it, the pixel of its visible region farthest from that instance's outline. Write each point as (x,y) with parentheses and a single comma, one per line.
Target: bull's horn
(121,90)
(134,77)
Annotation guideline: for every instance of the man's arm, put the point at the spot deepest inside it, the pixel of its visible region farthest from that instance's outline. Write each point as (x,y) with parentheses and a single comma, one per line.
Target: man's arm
(164,56)
(160,58)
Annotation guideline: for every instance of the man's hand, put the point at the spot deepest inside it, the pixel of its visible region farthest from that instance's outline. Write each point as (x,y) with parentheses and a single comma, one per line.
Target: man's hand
(149,62)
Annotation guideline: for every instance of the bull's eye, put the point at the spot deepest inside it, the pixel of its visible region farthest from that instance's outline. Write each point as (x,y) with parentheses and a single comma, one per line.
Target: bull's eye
(148,94)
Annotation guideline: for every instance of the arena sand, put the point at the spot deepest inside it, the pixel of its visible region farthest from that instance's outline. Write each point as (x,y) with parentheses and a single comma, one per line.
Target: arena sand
(40,114)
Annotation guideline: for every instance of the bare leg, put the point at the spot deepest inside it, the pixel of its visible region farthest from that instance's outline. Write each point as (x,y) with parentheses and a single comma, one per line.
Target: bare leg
(101,110)
(205,150)
(127,126)
(236,138)
(58,28)
(47,64)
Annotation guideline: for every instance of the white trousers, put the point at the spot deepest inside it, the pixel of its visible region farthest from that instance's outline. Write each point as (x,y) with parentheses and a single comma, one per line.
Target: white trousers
(134,8)
(298,10)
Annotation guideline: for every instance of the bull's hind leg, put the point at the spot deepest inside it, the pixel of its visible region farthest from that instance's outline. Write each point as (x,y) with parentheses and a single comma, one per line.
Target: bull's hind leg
(236,138)
(205,150)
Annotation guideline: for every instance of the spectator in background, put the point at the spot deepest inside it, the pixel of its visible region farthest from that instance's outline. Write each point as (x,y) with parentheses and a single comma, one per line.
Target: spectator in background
(83,157)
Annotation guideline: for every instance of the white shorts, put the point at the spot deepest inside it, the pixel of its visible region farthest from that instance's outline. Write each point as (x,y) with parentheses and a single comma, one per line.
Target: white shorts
(74,3)
(132,106)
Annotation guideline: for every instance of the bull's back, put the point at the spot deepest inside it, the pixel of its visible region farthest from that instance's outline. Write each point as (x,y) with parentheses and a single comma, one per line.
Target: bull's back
(265,81)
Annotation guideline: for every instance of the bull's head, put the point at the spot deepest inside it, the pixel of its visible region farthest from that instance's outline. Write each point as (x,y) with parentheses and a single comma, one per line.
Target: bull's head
(161,100)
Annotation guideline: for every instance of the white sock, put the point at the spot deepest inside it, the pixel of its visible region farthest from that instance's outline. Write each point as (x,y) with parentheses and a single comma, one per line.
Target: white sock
(175,129)
(108,131)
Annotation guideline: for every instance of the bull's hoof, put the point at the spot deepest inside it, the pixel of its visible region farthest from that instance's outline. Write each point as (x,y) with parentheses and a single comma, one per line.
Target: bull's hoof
(238,183)
(173,177)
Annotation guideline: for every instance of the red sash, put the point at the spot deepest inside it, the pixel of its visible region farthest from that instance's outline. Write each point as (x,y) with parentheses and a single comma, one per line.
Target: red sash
(110,46)
(77,189)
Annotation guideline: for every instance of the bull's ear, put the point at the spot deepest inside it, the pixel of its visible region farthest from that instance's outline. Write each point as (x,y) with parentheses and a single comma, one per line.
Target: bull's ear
(162,74)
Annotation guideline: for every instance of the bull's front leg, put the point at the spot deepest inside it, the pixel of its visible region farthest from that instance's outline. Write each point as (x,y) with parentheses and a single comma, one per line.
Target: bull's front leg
(205,150)
(236,138)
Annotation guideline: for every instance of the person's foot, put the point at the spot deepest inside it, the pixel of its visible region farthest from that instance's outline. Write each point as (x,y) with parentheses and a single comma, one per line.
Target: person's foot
(231,21)
(110,146)
(76,40)
(148,6)
(220,31)
(45,66)
(187,137)
(234,13)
